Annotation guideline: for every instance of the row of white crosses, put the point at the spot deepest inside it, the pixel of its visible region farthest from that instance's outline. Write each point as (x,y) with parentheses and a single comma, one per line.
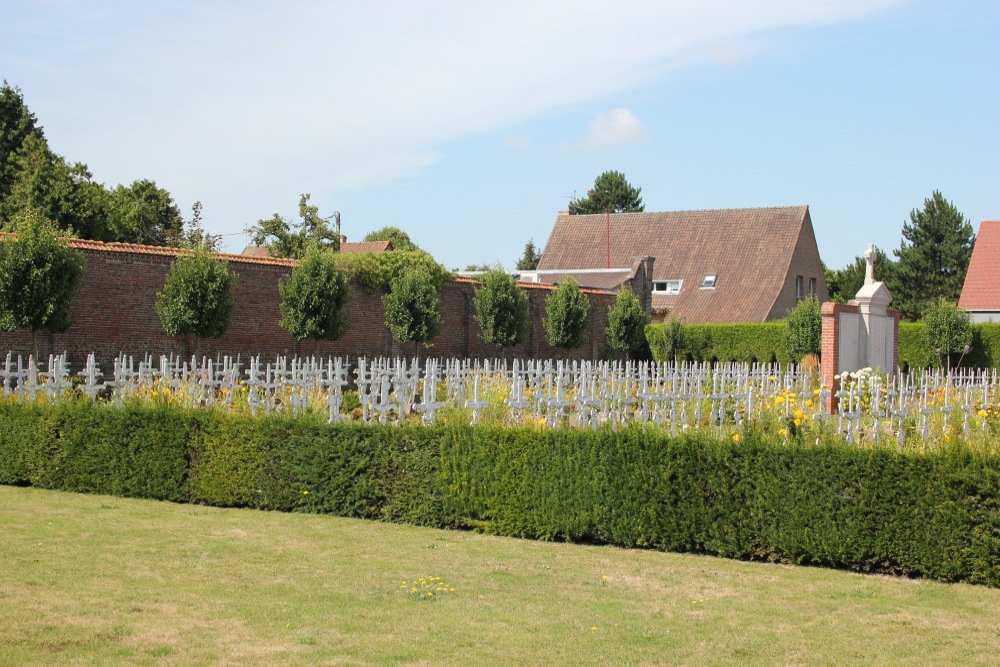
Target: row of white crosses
(583,394)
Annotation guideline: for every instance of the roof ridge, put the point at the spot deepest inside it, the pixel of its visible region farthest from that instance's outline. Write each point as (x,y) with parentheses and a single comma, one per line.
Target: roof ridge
(692,210)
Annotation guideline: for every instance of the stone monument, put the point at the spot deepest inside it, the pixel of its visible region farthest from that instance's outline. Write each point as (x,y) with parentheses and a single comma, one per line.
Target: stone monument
(862,333)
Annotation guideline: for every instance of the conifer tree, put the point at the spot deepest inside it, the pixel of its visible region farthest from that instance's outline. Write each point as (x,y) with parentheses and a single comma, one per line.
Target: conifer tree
(933,257)
(610,192)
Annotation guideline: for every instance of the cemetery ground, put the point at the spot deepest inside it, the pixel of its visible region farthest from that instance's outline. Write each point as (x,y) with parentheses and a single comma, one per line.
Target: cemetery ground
(100,579)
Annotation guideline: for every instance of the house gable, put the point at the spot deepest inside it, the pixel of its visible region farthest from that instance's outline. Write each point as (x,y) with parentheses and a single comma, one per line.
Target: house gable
(981,291)
(748,251)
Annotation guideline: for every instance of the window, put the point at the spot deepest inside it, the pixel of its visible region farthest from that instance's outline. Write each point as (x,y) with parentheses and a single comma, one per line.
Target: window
(812,287)
(798,287)
(709,281)
(667,286)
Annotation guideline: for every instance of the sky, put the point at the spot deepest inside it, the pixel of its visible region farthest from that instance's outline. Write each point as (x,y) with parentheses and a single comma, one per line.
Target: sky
(470,125)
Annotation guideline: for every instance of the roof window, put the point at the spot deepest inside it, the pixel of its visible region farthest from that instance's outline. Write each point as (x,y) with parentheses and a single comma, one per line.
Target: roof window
(667,286)
(709,281)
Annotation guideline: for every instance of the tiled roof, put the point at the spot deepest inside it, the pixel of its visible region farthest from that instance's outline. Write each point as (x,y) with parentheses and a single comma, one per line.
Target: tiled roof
(256,251)
(749,249)
(526,285)
(366,246)
(606,280)
(982,281)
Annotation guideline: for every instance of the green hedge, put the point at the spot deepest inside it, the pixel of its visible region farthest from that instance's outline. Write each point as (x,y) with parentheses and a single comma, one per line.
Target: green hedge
(873,510)
(757,341)
(915,353)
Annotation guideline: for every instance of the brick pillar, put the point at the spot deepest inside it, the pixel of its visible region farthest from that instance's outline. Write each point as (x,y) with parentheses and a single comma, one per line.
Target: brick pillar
(830,351)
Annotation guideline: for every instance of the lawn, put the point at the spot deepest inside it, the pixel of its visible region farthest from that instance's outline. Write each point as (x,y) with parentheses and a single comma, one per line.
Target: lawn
(99,579)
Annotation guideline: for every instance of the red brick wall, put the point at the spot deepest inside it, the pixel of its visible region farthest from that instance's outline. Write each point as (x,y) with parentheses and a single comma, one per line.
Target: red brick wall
(114,311)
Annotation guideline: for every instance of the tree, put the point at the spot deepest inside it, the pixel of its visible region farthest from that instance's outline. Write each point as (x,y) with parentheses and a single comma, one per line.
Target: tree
(843,284)
(501,308)
(17,123)
(283,239)
(144,213)
(195,236)
(529,260)
(805,328)
(933,257)
(197,297)
(56,190)
(413,308)
(400,240)
(627,320)
(612,192)
(567,310)
(39,274)
(949,330)
(314,298)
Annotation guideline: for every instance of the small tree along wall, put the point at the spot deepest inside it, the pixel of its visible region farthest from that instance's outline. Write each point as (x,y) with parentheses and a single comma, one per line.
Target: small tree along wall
(114,311)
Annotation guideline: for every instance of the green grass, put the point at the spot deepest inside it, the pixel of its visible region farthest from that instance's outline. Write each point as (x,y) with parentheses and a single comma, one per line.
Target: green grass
(97,580)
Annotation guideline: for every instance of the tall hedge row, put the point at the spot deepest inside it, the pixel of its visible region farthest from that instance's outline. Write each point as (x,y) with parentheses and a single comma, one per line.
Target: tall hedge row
(872,510)
(916,353)
(764,342)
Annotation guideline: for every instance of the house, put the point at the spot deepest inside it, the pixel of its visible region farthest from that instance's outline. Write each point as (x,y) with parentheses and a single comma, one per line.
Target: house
(726,265)
(981,291)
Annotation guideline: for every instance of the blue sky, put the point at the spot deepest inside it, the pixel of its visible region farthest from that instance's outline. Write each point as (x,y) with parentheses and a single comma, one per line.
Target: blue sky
(469,125)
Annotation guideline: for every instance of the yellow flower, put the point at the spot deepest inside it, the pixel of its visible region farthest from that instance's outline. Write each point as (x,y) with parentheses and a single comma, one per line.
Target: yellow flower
(736,437)
(815,392)
(798,422)
(799,414)
(783,432)
(981,413)
(809,403)
(305,493)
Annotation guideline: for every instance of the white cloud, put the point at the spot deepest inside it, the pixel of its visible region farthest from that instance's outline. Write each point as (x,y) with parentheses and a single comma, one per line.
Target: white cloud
(618,127)
(252,99)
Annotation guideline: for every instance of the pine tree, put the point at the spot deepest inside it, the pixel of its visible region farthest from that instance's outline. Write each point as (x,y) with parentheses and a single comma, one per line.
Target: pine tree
(529,260)
(933,257)
(610,192)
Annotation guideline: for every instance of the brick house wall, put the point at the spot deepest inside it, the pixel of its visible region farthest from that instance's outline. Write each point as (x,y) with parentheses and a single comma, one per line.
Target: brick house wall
(114,311)
(805,262)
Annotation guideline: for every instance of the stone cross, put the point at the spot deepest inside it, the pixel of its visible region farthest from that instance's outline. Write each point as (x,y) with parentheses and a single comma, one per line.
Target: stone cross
(870,264)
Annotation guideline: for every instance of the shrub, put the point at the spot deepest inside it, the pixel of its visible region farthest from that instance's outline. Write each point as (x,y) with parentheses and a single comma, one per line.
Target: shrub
(501,308)
(314,298)
(197,297)
(413,308)
(762,342)
(949,330)
(870,509)
(627,321)
(378,271)
(39,273)
(567,310)
(805,328)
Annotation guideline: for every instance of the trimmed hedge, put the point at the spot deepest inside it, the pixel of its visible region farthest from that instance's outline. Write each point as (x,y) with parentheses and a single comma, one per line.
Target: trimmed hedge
(763,342)
(915,353)
(767,342)
(872,510)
